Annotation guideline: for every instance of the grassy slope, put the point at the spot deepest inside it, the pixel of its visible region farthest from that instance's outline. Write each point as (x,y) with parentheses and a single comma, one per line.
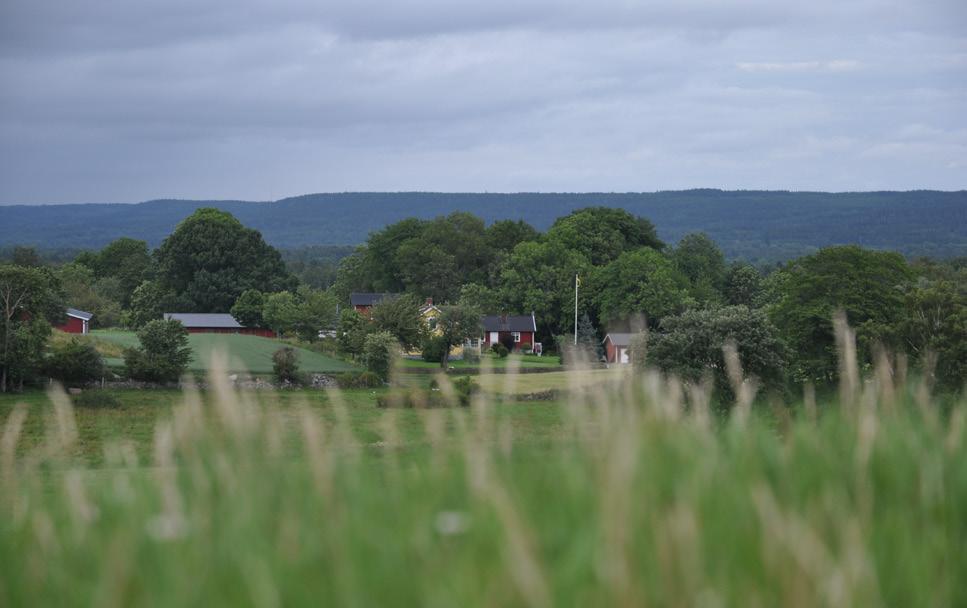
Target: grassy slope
(245,353)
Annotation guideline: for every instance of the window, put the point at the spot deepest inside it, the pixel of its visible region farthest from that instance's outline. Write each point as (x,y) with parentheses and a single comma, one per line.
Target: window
(516,335)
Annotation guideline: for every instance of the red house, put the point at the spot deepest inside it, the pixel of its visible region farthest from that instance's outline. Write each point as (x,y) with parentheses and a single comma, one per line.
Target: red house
(78,322)
(216,323)
(518,330)
(616,347)
(364,302)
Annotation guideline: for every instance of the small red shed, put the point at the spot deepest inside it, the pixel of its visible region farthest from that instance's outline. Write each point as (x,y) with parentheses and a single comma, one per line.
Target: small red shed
(616,347)
(78,322)
(216,323)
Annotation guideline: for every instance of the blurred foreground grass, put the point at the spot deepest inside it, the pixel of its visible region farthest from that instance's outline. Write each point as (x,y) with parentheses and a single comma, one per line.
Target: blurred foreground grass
(626,493)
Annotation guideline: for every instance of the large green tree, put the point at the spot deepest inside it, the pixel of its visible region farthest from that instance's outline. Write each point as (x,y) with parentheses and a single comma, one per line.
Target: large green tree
(125,259)
(457,324)
(401,318)
(504,235)
(149,302)
(538,277)
(935,323)
(743,285)
(30,299)
(602,234)
(247,309)
(690,345)
(640,282)
(211,258)
(703,264)
(867,285)
(281,311)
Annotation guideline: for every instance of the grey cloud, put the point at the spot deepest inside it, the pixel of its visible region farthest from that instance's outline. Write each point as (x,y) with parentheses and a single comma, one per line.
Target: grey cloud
(134,100)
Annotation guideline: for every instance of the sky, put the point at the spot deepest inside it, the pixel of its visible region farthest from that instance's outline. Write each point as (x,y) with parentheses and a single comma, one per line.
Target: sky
(106,101)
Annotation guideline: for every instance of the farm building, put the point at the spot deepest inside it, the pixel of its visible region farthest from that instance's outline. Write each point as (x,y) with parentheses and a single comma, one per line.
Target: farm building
(514,331)
(616,347)
(364,302)
(215,323)
(78,322)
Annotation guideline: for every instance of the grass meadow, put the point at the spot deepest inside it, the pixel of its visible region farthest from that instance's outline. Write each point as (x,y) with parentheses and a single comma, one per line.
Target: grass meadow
(635,491)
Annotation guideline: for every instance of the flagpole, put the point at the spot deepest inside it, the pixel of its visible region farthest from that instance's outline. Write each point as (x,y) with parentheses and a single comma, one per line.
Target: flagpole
(575,310)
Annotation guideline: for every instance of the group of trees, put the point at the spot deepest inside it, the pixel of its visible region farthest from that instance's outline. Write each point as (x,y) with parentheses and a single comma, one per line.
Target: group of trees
(204,265)
(399,319)
(33,299)
(686,296)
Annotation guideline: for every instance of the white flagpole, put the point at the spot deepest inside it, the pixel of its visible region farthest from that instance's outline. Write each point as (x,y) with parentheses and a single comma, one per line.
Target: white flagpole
(575,310)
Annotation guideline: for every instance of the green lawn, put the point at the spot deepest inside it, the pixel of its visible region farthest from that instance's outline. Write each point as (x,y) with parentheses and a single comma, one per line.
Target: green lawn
(518,384)
(245,353)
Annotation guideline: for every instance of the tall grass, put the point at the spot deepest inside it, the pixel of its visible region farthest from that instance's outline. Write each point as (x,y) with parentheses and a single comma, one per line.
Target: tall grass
(650,499)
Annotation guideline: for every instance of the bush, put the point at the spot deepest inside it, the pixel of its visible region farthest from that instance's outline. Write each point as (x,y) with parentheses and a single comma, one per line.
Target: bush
(95,399)
(358,380)
(500,350)
(285,365)
(163,355)
(465,388)
(433,348)
(380,350)
(74,362)
(471,355)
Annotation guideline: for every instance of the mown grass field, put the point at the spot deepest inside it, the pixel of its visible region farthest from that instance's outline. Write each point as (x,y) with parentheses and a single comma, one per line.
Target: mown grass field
(629,493)
(135,419)
(245,353)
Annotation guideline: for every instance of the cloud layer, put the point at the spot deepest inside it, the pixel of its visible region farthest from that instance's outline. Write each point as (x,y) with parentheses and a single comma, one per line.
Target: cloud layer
(105,101)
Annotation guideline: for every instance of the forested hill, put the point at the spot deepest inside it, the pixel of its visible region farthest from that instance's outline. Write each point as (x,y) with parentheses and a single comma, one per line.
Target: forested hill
(755,225)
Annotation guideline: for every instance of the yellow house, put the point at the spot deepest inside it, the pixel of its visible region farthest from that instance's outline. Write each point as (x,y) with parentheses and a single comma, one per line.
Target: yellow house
(430,314)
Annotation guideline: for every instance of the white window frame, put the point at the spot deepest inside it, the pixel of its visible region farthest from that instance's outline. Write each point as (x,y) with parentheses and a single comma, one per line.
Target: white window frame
(516,336)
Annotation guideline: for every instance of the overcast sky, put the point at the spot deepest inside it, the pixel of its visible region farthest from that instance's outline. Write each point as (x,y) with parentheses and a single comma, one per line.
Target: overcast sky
(104,101)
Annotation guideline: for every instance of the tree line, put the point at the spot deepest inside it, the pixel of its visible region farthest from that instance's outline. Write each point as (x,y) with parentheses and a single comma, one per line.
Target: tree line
(684,296)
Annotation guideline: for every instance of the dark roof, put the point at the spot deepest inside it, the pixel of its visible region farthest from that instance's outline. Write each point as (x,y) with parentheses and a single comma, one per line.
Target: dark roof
(508,323)
(80,314)
(369,299)
(619,339)
(196,319)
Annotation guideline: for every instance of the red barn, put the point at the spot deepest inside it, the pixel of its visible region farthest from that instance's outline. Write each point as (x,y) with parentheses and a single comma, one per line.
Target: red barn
(518,330)
(364,302)
(616,347)
(216,323)
(78,322)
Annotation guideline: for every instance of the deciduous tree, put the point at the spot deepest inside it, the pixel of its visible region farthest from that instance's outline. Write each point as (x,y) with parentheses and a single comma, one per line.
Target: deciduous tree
(30,298)
(690,345)
(211,258)
(640,282)
(867,285)
(457,324)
